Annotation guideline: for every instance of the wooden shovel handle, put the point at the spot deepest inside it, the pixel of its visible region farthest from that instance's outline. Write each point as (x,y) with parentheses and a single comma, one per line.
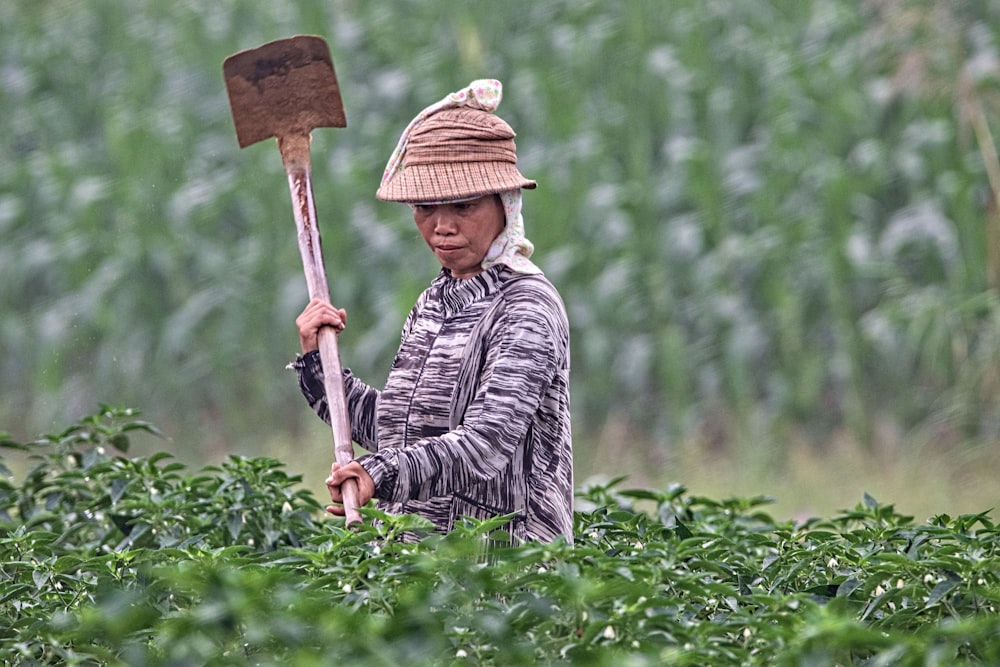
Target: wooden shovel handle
(343,446)
(295,156)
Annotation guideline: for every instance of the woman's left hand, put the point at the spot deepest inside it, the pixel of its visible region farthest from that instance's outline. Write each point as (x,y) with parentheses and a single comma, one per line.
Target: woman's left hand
(340,474)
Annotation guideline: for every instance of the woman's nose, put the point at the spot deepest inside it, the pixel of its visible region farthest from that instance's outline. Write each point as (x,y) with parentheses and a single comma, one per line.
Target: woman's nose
(443,223)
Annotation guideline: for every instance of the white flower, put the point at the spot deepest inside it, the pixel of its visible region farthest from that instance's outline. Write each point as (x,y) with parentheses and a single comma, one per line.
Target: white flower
(609,632)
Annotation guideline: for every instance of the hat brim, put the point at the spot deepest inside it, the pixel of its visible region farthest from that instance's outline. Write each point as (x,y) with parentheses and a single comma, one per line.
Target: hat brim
(446,181)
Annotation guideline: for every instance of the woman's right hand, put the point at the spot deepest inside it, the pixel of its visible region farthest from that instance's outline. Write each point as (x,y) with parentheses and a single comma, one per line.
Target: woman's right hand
(315,316)
(340,474)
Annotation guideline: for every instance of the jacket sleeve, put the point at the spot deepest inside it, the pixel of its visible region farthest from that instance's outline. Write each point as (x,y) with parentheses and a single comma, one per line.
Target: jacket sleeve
(362,400)
(523,347)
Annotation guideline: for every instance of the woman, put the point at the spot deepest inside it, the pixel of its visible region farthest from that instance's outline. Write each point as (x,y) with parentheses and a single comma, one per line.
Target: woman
(474,416)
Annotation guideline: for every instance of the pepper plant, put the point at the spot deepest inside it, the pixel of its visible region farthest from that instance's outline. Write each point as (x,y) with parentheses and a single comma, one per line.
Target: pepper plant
(115,560)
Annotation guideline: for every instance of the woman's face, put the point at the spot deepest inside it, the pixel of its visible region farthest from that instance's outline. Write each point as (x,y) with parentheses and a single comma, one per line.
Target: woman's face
(459,234)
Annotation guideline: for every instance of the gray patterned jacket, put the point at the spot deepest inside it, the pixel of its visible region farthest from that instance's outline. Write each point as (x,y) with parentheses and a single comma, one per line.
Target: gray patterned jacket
(474,418)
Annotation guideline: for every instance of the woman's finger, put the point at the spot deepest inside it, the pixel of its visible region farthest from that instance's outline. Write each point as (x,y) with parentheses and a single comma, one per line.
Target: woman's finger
(333,486)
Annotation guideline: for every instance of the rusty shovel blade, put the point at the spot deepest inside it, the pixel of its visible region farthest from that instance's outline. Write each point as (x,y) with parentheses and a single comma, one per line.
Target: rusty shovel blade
(283,88)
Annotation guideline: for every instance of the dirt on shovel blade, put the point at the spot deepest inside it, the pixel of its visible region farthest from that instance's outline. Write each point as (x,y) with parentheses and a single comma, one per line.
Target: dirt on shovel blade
(283,88)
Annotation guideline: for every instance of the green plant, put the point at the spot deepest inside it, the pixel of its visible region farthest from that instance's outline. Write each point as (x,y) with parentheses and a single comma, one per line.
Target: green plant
(654,577)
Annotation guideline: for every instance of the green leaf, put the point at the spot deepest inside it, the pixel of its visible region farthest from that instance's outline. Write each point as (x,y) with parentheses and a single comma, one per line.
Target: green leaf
(870,502)
(943,588)
(234,523)
(118,487)
(848,586)
(682,531)
(41,578)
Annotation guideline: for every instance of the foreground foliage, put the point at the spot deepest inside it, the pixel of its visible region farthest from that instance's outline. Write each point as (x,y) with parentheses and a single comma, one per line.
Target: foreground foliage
(114,560)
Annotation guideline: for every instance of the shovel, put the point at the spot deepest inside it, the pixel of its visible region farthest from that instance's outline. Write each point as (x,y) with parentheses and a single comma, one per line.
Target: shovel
(284,89)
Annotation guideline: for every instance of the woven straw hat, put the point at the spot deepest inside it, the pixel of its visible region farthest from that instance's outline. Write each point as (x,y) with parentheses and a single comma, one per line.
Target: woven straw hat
(459,153)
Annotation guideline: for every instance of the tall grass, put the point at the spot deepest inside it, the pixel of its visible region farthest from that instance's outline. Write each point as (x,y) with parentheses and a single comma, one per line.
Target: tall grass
(769,220)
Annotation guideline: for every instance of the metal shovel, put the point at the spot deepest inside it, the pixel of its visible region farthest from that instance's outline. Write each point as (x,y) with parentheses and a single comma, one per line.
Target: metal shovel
(285,89)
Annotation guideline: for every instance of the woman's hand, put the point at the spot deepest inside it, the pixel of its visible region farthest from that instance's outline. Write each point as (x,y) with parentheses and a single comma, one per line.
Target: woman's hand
(340,474)
(315,316)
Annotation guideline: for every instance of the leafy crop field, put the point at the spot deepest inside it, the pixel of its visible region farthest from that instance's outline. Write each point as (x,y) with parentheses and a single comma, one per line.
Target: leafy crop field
(107,559)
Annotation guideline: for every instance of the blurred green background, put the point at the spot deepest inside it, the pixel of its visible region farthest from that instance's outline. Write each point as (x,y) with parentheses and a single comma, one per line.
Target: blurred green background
(774,223)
